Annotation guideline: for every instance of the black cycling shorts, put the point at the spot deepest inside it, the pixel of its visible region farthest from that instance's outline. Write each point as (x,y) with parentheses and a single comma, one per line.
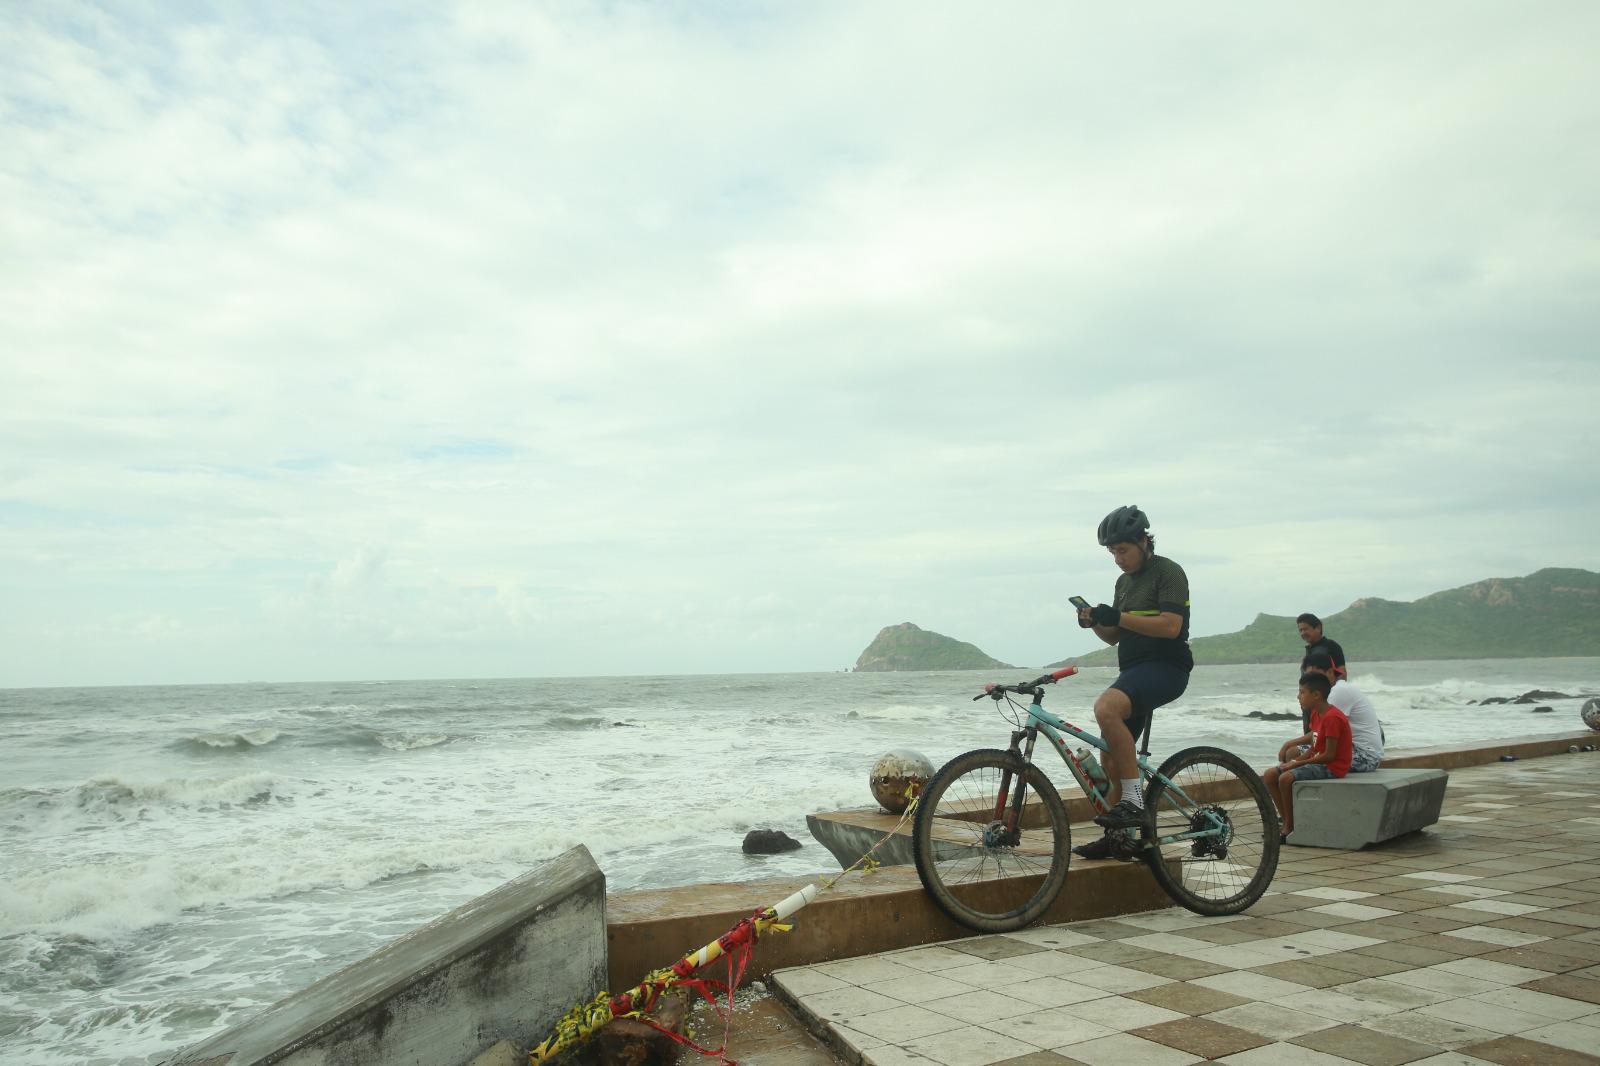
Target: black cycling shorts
(1149,685)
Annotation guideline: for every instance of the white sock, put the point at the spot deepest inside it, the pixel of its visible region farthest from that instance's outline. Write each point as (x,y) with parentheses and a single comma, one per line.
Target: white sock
(1131,793)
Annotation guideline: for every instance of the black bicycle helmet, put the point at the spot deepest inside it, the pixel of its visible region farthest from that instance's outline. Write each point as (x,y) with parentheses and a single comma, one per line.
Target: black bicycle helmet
(1124,524)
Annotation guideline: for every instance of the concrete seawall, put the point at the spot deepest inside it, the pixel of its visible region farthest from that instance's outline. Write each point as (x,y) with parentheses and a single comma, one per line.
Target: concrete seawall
(502,967)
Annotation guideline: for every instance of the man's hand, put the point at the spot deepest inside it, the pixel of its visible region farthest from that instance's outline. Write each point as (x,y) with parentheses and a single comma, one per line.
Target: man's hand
(1084,618)
(1106,615)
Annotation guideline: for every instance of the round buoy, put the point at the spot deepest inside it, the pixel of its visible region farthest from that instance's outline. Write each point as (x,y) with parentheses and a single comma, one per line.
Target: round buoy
(1591,713)
(1508,757)
(894,775)
(1573,750)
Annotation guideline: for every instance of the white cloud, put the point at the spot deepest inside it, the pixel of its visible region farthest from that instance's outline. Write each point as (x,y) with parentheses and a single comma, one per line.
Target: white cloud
(573,339)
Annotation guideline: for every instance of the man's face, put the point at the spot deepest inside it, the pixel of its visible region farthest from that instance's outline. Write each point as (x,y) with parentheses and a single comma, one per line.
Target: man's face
(1310,633)
(1308,699)
(1129,556)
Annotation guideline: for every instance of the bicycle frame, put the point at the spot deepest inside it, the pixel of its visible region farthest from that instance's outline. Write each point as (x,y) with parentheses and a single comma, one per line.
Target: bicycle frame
(1042,721)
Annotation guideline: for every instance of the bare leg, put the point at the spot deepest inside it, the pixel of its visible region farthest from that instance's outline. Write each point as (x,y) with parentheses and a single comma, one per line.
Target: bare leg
(1270,778)
(1286,807)
(1111,710)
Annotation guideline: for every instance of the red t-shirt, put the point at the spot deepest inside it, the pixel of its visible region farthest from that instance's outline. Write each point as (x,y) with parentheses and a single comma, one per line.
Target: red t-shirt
(1331,722)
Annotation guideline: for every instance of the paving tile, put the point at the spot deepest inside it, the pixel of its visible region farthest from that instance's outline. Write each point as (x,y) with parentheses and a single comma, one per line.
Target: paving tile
(1271,1020)
(1398,991)
(1569,1035)
(994,947)
(1119,979)
(1051,1028)
(804,981)
(1515,1051)
(1410,954)
(919,988)
(1169,920)
(1507,938)
(930,959)
(1284,1055)
(1041,1058)
(1113,951)
(1222,934)
(1202,1037)
(1362,1045)
(903,1022)
(1171,944)
(1051,992)
(1566,985)
(1122,1013)
(1503,1020)
(1053,936)
(1307,973)
(1430,1029)
(864,970)
(980,1005)
(1448,982)
(1251,985)
(968,1046)
(1361,963)
(1488,970)
(1333,1004)
(1186,998)
(1360,912)
(852,1039)
(1121,1049)
(1175,967)
(1051,963)
(847,1005)
(1557,1008)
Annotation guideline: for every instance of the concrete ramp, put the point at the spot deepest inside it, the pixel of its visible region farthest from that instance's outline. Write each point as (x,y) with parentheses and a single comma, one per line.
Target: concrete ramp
(504,966)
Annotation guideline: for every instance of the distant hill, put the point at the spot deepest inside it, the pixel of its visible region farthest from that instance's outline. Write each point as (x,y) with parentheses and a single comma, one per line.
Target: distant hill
(907,647)
(1550,612)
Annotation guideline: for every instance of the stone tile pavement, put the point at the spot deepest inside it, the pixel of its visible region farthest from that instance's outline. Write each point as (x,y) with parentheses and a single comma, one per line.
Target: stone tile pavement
(1475,942)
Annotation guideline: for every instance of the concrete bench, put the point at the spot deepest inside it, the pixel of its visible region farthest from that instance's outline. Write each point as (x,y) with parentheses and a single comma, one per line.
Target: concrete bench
(1361,809)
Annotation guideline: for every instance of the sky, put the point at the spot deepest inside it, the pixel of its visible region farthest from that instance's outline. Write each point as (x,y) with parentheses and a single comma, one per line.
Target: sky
(482,339)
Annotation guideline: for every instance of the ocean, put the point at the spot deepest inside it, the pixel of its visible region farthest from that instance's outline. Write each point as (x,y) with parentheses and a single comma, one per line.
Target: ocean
(175,859)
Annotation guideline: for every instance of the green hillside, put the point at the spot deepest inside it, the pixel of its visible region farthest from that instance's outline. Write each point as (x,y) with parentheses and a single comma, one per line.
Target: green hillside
(1551,612)
(907,647)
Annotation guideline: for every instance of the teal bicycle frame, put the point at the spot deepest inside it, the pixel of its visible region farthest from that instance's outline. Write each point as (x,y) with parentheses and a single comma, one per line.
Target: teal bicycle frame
(1042,721)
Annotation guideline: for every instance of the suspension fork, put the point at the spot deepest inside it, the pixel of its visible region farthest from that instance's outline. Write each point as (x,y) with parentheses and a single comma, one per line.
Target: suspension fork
(1012,817)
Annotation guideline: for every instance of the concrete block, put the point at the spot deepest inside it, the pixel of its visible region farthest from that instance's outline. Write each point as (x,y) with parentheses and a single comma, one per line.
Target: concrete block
(505,966)
(1361,809)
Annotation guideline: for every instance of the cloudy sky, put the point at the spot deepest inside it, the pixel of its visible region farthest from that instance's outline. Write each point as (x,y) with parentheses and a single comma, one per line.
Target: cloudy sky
(554,339)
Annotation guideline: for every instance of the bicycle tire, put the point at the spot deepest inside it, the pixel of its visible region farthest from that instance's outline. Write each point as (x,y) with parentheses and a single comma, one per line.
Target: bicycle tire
(993,888)
(1195,873)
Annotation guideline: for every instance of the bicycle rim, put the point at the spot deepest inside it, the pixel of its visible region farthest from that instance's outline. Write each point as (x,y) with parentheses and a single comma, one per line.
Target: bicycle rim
(988,884)
(1218,875)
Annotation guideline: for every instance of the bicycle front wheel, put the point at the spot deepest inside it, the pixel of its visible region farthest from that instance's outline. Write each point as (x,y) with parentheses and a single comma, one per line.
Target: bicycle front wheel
(979,873)
(1228,860)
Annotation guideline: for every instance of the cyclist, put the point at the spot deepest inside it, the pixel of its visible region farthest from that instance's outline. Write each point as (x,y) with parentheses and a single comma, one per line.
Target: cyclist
(1148,621)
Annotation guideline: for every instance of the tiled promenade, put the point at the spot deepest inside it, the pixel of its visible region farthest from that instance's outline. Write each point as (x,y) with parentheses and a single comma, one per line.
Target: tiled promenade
(1476,942)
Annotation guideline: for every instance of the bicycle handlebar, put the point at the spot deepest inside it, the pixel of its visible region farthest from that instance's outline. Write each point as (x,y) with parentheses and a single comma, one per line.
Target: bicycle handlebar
(1029,688)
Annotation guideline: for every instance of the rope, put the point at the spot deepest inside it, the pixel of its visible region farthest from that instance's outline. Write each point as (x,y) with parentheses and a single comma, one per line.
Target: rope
(583,1021)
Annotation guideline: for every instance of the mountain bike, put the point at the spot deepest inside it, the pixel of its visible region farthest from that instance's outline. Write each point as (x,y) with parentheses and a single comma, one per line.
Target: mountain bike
(992,839)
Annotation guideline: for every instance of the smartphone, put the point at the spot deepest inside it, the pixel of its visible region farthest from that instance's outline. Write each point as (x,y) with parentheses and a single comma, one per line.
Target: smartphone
(1080,603)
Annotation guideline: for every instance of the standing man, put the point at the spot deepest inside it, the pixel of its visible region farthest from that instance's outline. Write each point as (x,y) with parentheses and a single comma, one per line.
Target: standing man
(1148,621)
(1310,627)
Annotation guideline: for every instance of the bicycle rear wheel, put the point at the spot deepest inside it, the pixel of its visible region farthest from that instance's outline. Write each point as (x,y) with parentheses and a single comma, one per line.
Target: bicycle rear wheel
(976,872)
(1222,873)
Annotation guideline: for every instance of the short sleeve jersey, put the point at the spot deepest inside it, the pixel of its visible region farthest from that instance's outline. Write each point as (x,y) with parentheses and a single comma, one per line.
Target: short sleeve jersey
(1331,724)
(1366,732)
(1333,651)
(1160,585)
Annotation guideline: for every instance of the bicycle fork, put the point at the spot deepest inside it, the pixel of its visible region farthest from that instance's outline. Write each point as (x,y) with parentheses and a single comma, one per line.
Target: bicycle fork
(1008,806)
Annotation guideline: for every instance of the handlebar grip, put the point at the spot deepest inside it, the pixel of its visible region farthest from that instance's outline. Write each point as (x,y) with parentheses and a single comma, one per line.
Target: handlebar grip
(1066,671)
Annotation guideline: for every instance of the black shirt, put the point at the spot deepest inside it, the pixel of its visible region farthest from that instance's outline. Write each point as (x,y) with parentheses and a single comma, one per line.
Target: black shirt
(1329,647)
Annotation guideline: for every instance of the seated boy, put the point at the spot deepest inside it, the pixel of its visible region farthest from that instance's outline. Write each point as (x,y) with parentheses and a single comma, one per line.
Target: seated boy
(1327,755)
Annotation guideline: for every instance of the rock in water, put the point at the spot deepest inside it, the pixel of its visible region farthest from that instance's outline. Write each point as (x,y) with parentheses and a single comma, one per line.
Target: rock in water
(768,842)
(1273,716)
(1535,695)
(1543,710)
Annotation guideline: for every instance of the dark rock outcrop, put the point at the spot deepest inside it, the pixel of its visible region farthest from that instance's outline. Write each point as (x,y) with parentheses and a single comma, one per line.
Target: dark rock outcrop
(768,842)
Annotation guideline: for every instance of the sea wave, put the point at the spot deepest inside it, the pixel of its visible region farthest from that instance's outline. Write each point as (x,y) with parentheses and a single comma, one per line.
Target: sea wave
(410,741)
(246,740)
(111,797)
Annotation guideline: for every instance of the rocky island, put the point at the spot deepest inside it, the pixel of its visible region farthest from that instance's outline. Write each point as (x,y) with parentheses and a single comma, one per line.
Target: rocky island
(909,647)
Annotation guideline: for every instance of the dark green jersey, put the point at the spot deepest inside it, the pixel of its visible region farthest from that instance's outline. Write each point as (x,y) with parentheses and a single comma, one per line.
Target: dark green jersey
(1160,585)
